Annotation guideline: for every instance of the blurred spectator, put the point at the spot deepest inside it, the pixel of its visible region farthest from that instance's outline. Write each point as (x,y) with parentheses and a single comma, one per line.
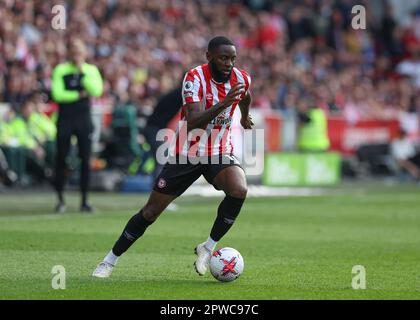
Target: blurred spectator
(404,152)
(43,128)
(20,144)
(313,131)
(411,67)
(123,142)
(165,110)
(7,176)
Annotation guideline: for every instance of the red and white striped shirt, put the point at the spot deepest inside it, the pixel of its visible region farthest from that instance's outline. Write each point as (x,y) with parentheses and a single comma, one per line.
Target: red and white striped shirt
(199,86)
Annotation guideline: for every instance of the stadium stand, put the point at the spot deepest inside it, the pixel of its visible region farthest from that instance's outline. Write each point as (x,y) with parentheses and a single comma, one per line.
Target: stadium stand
(294,50)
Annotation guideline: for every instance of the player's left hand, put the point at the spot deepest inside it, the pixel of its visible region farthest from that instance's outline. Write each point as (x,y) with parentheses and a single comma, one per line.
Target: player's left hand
(247,122)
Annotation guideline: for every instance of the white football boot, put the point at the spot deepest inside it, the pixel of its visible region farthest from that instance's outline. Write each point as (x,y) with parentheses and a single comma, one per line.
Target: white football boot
(103,270)
(203,259)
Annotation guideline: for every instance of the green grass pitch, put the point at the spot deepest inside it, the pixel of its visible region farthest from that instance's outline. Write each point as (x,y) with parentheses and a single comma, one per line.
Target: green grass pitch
(293,247)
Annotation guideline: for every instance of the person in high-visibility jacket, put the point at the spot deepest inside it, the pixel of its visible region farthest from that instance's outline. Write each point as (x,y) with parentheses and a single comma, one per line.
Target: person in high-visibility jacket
(18,133)
(7,176)
(43,128)
(73,83)
(313,128)
(4,132)
(20,137)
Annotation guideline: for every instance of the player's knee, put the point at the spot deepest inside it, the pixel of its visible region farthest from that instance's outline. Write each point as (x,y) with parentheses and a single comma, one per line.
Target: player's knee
(151,212)
(239,192)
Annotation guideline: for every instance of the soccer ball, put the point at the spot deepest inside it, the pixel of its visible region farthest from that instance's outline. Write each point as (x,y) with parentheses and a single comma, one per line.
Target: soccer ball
(226,264)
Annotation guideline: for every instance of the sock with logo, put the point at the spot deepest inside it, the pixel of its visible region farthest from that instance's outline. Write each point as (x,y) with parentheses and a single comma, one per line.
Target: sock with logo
(227,213)
(134,229)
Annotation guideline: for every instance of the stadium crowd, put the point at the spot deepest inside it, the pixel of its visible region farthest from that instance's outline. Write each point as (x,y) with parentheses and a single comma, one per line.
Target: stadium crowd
(298,52)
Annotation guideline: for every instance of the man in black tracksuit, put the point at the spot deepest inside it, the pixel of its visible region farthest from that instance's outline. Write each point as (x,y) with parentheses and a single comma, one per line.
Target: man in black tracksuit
(166,108)
(73,83)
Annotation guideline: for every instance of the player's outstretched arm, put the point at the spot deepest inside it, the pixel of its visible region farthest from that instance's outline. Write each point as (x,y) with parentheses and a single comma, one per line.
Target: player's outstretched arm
(197,118)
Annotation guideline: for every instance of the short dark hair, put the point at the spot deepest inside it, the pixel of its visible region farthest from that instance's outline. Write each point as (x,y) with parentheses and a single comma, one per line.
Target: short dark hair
(219,41)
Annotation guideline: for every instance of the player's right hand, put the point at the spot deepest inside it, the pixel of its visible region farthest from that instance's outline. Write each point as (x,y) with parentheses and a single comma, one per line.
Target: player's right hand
(234,94)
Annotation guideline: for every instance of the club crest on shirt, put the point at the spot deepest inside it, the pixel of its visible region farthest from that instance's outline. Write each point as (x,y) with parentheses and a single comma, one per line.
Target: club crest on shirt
(161,183)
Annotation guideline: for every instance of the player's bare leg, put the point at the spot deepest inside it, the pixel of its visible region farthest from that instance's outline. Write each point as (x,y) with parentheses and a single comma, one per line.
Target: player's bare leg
(134,229)
(233,182)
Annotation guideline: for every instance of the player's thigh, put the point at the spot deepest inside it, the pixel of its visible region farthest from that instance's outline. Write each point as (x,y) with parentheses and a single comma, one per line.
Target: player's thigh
(231,179)
(156,204)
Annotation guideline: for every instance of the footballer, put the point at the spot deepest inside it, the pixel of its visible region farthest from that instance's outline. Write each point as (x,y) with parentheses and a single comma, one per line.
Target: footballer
(210,92)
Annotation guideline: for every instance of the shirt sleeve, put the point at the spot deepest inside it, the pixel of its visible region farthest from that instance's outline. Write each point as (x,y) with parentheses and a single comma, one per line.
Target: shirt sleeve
(247,80)
(191,88)
(58,89)
(92,81)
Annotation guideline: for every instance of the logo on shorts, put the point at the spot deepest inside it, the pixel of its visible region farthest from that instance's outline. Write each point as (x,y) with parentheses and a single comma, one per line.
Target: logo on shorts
(161,183)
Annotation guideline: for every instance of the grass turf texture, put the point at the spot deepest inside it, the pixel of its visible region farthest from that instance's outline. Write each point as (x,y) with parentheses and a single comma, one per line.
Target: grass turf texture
(294,248)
